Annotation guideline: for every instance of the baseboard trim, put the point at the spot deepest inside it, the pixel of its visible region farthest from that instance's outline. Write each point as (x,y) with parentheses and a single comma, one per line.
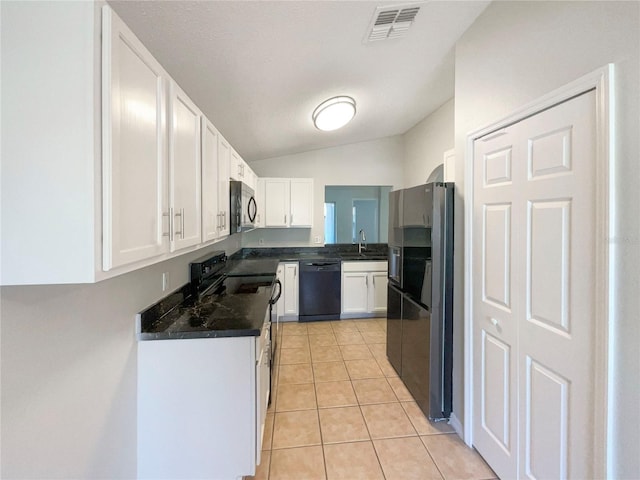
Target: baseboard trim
(457,426)
(350,316)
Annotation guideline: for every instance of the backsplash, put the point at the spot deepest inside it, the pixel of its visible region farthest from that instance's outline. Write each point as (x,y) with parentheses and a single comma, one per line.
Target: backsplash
(373,249)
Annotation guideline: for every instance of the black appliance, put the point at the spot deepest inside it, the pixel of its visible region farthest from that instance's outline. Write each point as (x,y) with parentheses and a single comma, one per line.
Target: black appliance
(320,290)
(242,207)
(208,279)
(206,272)
(420,293)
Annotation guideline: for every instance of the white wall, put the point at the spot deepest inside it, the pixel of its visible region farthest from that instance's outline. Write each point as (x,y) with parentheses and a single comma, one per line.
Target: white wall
(426,143)
(376,162)
(69,372)
(514,53)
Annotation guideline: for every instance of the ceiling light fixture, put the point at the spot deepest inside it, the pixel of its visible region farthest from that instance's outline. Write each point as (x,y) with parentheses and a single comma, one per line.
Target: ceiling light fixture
(334,113)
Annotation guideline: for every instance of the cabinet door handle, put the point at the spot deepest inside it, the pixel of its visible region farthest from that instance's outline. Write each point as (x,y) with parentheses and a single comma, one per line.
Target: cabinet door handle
(181,215)
(285,219)
(366,281)
(183,220)
(169,217)
(291,218)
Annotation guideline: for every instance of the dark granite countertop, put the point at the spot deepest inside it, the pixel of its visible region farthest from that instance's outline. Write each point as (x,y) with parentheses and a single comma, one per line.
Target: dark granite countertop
(253,266)
(217,314)
(344,252)
(220,314)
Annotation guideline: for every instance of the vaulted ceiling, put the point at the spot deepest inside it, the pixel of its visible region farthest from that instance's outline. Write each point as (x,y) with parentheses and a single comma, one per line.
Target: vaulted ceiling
(257,69)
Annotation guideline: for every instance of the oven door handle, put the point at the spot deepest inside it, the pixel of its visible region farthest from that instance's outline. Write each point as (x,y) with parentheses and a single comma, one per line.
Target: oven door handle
(273,300)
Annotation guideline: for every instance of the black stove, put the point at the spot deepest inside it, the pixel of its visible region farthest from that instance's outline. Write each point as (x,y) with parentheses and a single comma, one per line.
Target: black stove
(213,304)
(207,272)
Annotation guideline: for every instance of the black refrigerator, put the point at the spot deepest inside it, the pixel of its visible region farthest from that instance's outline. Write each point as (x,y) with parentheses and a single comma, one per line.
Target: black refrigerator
(420,293)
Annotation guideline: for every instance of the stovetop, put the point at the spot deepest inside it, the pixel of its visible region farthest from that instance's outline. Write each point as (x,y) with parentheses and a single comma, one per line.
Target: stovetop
(219,306)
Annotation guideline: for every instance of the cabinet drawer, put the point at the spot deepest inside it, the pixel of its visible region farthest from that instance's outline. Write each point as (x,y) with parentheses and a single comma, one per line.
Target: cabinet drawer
(364,266)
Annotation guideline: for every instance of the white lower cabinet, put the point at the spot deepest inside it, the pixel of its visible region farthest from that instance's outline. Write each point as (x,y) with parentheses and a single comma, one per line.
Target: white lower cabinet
(364,289)
(355,292)
(202,406)
(287,306)
(378,291)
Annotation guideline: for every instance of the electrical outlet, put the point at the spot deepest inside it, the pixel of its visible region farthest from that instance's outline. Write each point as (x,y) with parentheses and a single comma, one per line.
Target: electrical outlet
(316,239)
(261,241)
(165,281)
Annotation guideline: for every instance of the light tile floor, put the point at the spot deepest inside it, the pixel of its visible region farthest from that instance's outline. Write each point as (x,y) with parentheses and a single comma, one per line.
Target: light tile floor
(340,412)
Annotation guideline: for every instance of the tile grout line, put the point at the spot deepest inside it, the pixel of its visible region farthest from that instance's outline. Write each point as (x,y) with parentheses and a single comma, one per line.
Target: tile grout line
(313,376)
(351,380)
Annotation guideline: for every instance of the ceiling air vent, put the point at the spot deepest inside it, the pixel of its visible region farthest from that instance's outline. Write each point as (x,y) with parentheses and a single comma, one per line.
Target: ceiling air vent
(391,22)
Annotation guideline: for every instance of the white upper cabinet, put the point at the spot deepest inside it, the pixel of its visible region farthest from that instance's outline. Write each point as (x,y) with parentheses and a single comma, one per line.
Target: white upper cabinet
(134,148)
(224,162)
(250,178)
(276,192)
(301,202)
(288,202)
(210,212)
(241,171)
(236,166)
(184,170)
(112,182)
(260,202)
(51,171)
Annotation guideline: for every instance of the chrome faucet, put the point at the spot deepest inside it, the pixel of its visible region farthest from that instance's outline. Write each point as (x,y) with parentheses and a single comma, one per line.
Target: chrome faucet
(362,239)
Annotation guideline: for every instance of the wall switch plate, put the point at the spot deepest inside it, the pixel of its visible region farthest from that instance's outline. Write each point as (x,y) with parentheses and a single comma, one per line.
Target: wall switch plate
(165,281)
(316,239)
(261,241)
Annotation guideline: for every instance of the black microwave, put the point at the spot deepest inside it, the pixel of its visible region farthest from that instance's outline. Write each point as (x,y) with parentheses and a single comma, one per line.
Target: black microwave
(242,207)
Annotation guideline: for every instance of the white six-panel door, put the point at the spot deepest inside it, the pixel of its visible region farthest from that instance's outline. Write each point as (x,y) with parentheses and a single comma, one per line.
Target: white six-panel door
(534,258)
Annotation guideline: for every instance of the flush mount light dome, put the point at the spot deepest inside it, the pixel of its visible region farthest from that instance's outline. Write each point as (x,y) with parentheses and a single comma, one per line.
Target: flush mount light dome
(334,113)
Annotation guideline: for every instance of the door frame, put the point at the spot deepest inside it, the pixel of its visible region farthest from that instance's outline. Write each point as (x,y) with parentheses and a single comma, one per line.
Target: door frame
(602,80)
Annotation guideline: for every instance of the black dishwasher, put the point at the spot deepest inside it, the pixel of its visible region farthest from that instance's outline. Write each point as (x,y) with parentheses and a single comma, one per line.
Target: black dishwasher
(320,290)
